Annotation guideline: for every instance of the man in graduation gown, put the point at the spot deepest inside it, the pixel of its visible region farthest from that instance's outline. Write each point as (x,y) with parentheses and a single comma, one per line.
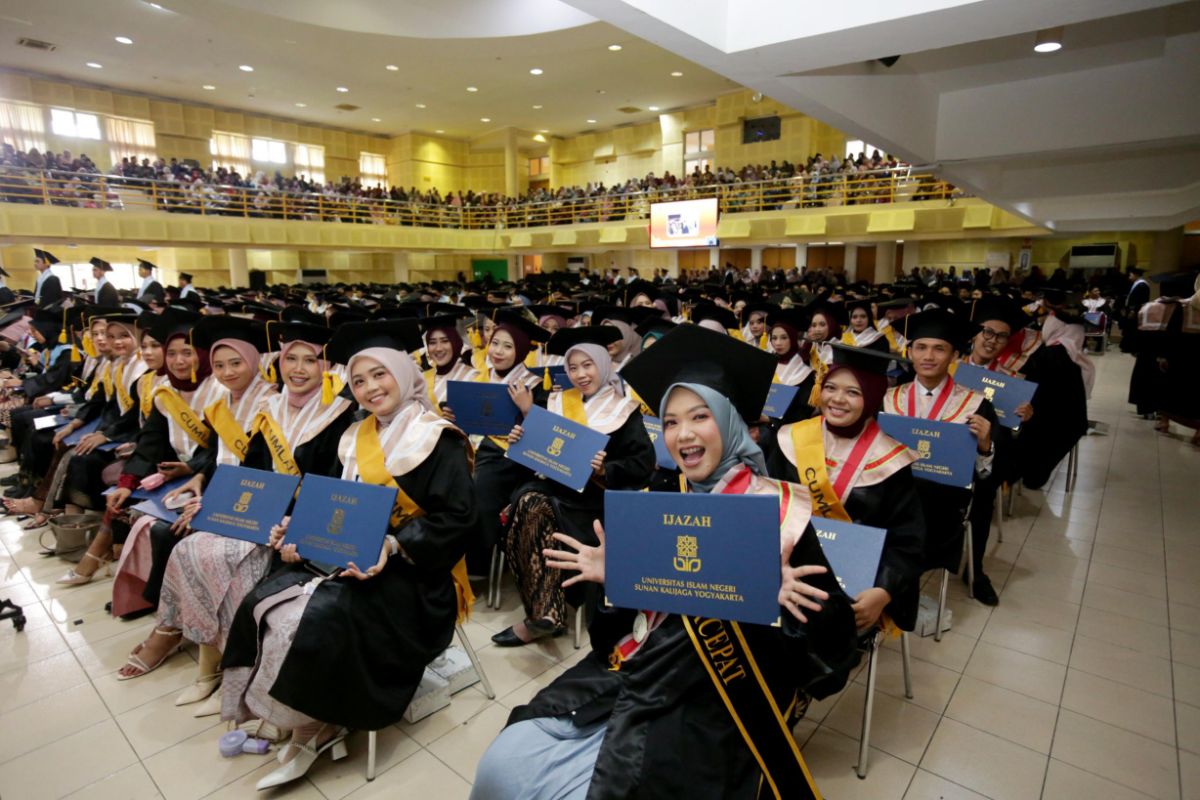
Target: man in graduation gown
(48,289)
(105,293)
(1139,295)
(151,290)
(936,337)
(185,285)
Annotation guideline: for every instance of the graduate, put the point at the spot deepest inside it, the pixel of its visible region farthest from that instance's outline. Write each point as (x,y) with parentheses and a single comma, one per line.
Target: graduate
(614,725)
(321,655)
(445,351)
(151,291)
(862,330)
(105,294)
(47,291)
(596,398)
(755,331)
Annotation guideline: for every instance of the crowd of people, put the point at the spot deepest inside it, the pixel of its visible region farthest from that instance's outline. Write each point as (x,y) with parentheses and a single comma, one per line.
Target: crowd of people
(355,382)
(187,187)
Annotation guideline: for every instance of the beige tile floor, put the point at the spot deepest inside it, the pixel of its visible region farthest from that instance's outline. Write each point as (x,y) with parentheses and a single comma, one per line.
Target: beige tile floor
(1083,683)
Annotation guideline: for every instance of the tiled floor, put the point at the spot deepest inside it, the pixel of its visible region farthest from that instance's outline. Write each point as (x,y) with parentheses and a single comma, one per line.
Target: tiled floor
(1083,683)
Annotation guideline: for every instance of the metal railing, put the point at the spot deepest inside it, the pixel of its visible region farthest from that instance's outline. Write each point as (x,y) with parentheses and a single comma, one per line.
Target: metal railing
(90,190)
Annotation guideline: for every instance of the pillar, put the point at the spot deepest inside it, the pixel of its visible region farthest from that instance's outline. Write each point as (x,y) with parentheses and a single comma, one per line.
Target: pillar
(239,268)
(511,168)
(672,265)
(400,267)
(885,262)
(756,253)
(1166,254)
(801,255)
(910,260)
(714,258)
(850,264)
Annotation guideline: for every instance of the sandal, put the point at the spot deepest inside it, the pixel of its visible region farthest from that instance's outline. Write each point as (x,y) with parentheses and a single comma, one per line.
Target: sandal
(39,520)
(142,666)
(73,578)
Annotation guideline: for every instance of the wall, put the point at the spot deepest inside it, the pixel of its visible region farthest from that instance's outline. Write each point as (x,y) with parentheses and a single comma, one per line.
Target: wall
(800,136)
(1048,252)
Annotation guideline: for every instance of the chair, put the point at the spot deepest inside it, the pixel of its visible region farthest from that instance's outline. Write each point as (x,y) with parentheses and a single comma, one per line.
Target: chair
(998,513)
(864,739)
(483,680)
(495,576)
(969,546)
(1097,330)
(1072,467)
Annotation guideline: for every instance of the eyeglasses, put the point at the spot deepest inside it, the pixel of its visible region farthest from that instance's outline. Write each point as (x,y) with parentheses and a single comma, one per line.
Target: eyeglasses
(988,334)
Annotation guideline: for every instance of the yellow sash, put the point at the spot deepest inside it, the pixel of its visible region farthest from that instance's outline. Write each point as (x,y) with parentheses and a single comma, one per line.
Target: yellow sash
(221,418)
(848,338)
(373,468)
(808,439)
(281,451)
(184,416)
(890,334)
(479,359)
(106,380)
(124,401)
(763,341)
(430,376)
(146,393)
(572,406)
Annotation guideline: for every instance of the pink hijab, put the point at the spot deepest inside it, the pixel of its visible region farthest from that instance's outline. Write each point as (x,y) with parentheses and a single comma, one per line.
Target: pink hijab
(247,351)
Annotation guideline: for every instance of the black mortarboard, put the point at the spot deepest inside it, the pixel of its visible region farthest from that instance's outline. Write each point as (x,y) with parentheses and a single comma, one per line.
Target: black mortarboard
(864,304)
(446,309)
(125,318)
(795,317)
(299,314)
(758,307)
(47,322)
(535,332)
(4,272)
(724,316)
(281,333)
(691,354)
(863,358)
(144,263)
(440,322)
(540,311)
(998,308)
(45,255)
(212,329)
(100,264)
(897,303)
(835,312)
(657,327)
(566,338)
(173,322)
(353,337)
(14,311)
(185,276)
(937,323)
(630,316)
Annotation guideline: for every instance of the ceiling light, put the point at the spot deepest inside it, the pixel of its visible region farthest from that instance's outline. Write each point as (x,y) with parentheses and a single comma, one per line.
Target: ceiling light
(94,65)
(342,89)
(614,47)
(591,122)
(246,68)
(208,87)
(420,105)
(124,40)
(392,68)
(485,119)
(439,130)
(537,137)
(472,89)
(676,74)
(535,71)
(544,130)
(1048,40)
(376,119)
(538,107)
(652,108)
(156,6)
(301,105)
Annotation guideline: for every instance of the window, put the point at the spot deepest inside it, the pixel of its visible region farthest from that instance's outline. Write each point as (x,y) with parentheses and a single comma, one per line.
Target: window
(23,127)
(79,276)
(74,124)
(692,164)
(372,169)
(539,167)
(268,151)
(129,138)
(856,147)
(704,141)
(310,162)
(231,151)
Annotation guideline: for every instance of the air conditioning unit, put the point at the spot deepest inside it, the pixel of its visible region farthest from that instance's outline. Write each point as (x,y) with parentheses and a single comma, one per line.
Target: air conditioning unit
(1094,256)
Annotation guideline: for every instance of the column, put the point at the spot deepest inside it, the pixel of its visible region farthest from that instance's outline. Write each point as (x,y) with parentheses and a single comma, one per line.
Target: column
(801,255)
(1166,254)
(512,186)
(714,258)
(885,262)
(756,253)
(672,265)
(910,259)
(400,267)
(514,268)
(239,268)
(850,263)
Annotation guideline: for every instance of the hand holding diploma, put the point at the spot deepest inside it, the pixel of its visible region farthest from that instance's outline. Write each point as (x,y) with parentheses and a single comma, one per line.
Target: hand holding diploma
(521,396)
(287,552)
(794,593)
(598,464)
(587,561)
(183,525)
(352,571)
(1025,412)
(515,434)
(868,607)
(982,429)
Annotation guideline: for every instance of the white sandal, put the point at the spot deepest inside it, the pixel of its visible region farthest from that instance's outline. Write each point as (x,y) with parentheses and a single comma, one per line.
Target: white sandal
(73,578)
(135,661)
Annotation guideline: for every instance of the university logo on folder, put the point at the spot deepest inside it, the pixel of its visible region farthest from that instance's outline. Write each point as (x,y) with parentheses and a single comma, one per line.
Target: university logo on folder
(662,456)
(558,448)
(945,450)
(482,408)
(707,555)
(853,552)
(779,398)
(337,521)
(244,503)
(1004,391)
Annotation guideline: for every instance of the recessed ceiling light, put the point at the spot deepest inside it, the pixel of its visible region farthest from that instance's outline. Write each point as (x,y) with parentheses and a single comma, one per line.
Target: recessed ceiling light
(124,40)
(376,119)
(1048,40)
(544,130)
(301,105)
(537,137)
(156,5)
(392,68)
(591,122)
(538,107)
(485,119)
(342,89)
(420,105)
(652,108)
(208,87)
(472,89)
(246,68)
(614,47)
(535,71)
(439,130)
(676,74)
(94,65)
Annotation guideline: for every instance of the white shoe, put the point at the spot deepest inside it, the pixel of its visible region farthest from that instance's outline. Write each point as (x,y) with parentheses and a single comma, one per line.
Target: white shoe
(305,758)
(73,578)
(210,707)
(202,689)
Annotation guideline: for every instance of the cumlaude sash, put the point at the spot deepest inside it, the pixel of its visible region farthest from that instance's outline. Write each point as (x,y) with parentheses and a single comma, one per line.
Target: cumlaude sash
(185,417)
(572,406)
(281,451)
(808,439)
(221,418)
(372,467)
(430,377)
(146,393)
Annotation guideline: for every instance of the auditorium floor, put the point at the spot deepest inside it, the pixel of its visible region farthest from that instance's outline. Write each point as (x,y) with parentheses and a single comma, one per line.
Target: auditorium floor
(1083,683)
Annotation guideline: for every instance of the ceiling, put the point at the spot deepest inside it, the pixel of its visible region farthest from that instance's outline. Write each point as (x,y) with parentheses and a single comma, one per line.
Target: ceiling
(1101,135)
(302,50)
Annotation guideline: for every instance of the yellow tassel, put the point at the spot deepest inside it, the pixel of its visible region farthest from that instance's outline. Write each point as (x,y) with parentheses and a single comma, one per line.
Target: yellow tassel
(331,387)
(267,374)
(75,356)
(546,380)
(531,359)
(89,347)
(476,338)
(194,376)
(62,336)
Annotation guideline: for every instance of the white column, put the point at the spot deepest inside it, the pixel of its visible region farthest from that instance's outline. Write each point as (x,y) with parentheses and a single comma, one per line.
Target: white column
(239,269)
(400,267)
(511,182)
(851,263)
(756,260)
(514,268)
(714,258)
(911,257)
(801,255)
(885,262)
(673,263)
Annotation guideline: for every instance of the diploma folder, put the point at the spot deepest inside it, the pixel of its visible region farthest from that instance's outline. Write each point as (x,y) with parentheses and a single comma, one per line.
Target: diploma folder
(558,448)
(244,503)
(72,439)
(779,398)
(336,521)
(482,408)
(853,552)
(1004,391)
(662,456)
(945,450)
(709,555)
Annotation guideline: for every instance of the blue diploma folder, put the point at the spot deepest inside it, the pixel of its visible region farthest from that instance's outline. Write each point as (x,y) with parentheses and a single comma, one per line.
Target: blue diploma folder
(482,408)
(244,503)
(156,509)
(336,522)
(557,448)
(662,456)
(558,376)
(711,555)
(853,551)
(1004,391)
(945,450)
(73,438)
(778,400)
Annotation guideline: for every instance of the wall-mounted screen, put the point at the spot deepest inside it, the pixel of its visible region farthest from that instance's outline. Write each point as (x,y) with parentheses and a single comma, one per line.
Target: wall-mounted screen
(684,223)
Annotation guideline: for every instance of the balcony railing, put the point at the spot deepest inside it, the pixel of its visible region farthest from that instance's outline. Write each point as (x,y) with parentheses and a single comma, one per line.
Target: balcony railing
(89,190)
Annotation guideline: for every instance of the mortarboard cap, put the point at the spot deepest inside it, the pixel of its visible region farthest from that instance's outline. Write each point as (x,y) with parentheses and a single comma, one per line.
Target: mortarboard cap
(536,333)
(100,264)
(863,358)
(353,337)
(566,338)
(726,318)
(143,263)
(45,255)
(213,329)
(185,276)
(281,333)
(937,323)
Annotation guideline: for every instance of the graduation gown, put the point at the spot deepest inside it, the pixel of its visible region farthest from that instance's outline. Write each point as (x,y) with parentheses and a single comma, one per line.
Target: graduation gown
(51,291)
(108,297)
(1060,416)
(154,291)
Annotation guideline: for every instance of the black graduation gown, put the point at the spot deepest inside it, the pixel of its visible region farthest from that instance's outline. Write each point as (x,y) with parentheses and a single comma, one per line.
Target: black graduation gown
(84,481)
(51,291)
(109,297)
(1059,415)
(1181,378)
(892,504)
(668,734)
(52,379)
(153,292)
(362,646)
(6,296)
(317,456)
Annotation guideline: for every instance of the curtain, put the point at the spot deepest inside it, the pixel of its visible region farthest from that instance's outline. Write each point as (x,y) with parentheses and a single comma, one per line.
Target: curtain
(372,169)
(130,138)
(231,151)
(23,127)
(310,162)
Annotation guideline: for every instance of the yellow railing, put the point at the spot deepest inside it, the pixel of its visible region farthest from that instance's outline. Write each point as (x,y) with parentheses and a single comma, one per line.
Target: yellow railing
(83,190)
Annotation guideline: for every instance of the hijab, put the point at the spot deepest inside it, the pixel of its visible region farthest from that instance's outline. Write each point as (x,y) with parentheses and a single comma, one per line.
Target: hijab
(404,371)
(456,347)
(793,341)
(249,354)
(604,365)
(874,387)
(295,399)
(713,325)
(736,445)
(559,318)
(203,366)
(521,345)
(835,327)
(630,341)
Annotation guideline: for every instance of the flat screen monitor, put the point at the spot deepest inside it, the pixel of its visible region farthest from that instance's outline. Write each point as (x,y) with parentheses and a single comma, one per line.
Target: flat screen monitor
(684,223)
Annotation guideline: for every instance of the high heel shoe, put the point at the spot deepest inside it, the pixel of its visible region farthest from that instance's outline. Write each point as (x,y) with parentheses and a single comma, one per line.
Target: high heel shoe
(305,758)
(73,578)
(202,689)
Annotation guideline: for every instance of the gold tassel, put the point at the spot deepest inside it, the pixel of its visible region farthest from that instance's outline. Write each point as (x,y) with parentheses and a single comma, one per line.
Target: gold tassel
(89,346)
(267,374)
(62,336)
(546,384)
(476,338)
(331,387)
(75,356)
